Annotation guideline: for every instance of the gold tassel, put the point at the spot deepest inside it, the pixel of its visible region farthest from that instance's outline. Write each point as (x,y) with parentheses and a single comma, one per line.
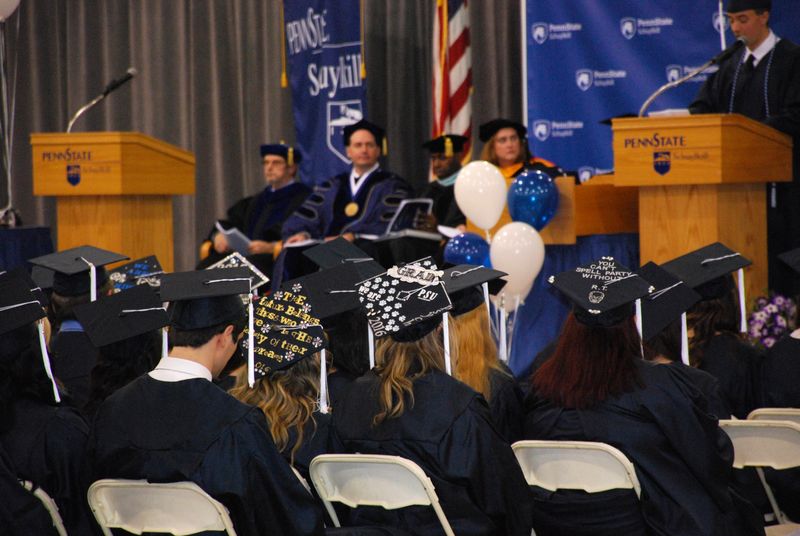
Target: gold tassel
(290,156)
(363,47)
(448,147)
(284,78)
(385,146)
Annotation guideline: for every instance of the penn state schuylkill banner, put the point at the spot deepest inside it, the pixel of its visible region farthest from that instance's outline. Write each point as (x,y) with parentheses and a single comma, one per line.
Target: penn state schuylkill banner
(589,60)
(323,52)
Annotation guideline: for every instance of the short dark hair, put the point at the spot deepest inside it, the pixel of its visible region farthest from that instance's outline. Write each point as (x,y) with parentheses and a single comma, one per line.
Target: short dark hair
(195,338)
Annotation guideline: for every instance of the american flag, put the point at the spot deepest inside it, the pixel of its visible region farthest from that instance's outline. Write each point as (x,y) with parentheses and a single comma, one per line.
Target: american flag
(452,71)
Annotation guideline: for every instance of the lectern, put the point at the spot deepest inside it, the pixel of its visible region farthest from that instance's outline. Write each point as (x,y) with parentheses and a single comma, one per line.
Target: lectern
(114,189)
(701,180)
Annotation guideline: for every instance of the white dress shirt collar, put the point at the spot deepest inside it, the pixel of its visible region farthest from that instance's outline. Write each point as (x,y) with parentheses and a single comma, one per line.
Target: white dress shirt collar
(762,49)
(357,182)
(175,369)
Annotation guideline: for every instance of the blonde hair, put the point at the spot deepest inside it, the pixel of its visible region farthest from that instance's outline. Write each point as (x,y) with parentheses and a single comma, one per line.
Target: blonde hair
(287,398)
(477,350)
(395,361)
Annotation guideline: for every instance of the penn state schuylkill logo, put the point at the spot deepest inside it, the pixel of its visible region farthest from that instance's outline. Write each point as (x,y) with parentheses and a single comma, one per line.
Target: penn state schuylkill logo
(539,32)
(73,174)
(340,115)
(585,173)
(584,78)
(662,162)
(720,23)
(541,129)
(674,72)
(628,27)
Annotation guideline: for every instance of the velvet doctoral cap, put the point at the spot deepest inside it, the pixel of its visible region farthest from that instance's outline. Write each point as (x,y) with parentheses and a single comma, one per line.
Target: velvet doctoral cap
(291,154)
(376,131)
(440,144)
(490,128)
(736,6)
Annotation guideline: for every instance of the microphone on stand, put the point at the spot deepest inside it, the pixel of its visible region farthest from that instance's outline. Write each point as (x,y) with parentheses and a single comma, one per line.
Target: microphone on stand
(719,58)
(110,87)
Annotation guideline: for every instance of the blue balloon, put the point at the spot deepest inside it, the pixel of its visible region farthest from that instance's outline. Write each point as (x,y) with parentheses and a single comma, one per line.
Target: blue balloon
(467,248)
(533,198)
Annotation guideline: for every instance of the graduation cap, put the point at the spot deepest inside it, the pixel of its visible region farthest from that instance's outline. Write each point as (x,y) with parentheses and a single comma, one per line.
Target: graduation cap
(489,129)
(20,276)
(469,286)
(291,154)
(205,298)
(669,301)
(78,270)
(735,6)
(144,271)
(19,307)
(377,132)
(449,144)
(792,259)
(43,277)
(122,315)
(602,291)
(336,252)
(237,260)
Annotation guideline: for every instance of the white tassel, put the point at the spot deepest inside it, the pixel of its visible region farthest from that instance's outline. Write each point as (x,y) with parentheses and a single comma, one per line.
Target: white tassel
(448,367)
(371,345)
(164,342)
(503,351)
(639,326)
(46,359)
(485,287)
(323,382)
(251,366)
(684,340)
(740,277)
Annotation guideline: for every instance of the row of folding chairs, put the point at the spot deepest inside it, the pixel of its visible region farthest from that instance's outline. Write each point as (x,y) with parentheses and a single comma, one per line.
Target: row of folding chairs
(769,438)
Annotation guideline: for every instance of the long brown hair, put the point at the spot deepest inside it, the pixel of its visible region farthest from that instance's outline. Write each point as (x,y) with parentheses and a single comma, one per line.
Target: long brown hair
(399,364)
(287,398)
(477,351)
(488,154)
(712,317)
(590,364)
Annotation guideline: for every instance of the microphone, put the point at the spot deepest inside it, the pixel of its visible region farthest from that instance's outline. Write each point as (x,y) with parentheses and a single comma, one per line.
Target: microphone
(728,52)
(112,86)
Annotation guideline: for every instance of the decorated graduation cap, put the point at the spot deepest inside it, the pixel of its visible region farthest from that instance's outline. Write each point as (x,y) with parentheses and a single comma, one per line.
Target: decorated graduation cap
(337,252)
(735,6)
(377,132)
(144,271)
(291,154)
(469,286)
(449,144)
(792,259)
(669,301)
(19,307)
(707,271)
(122,315)
(490,128)
(20,276)
(205,298)
(602,291)
(78,270)
(237,260)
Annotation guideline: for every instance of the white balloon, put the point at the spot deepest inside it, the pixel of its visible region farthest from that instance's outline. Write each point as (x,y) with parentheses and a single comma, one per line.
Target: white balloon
(481,193)
(7,7)
(518,250)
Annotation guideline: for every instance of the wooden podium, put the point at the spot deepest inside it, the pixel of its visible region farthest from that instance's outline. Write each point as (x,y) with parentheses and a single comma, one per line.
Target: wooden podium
(701,180)
(114,189)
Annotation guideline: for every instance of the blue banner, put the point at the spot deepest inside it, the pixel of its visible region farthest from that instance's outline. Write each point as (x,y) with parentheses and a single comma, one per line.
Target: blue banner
(323,51)
(588,61)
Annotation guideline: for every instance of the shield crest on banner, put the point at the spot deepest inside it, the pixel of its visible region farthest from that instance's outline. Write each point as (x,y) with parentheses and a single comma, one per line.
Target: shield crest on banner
(585,173)
(73,174)
(541,129)
(673,72)
(720,23)
(341,114)
(539,32)
(628,27)
(662,162)
(584,78)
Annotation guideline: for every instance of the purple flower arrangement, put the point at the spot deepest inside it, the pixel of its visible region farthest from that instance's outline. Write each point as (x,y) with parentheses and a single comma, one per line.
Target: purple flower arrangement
(771,318)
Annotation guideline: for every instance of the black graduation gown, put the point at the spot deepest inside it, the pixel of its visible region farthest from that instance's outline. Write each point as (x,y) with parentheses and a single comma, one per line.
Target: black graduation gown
(72,358)
(735,365)
(316,441)
(47,445)
(445,208)
(505,405)
(338,384)
(193,430)
(448,432)
(682,458)
(709,386)
(21,514)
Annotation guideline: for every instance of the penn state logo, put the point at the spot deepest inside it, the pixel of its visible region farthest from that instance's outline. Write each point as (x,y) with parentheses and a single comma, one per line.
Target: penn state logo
(628,27)
(340,115)
(541,129)
(73,174)
(720,23)
(584,78)
(673,72)
(585,173)
(662,162)
(539,32)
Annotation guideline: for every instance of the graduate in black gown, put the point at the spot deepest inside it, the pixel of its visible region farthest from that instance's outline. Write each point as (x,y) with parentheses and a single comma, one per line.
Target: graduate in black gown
(73,354)
(447,153)
(762,82)
(41,440)
(260,217)
(596,387)
(409,406)
(174,424)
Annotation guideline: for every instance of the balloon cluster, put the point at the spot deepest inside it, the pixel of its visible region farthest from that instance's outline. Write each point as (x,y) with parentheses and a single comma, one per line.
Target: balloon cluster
(517,248)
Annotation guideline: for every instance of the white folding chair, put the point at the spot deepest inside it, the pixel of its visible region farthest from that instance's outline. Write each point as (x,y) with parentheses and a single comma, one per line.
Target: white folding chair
(589,466)
(139,506)
(373,480)
(762,443)
(776,414)
(49,504)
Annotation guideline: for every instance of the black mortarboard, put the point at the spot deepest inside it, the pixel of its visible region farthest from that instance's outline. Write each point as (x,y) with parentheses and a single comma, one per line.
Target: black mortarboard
(205,298)
(735,6)
(376,131)
(18,305)
(20,276)
(72,271)
(43,277)
(670,299)
(463,285)
(402,297)
(237,260)
(706,269)
(602,291)
(452,142)
(489,129)
(336,252)
(122,315)
(290,154)
(792,259)
(144,271)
